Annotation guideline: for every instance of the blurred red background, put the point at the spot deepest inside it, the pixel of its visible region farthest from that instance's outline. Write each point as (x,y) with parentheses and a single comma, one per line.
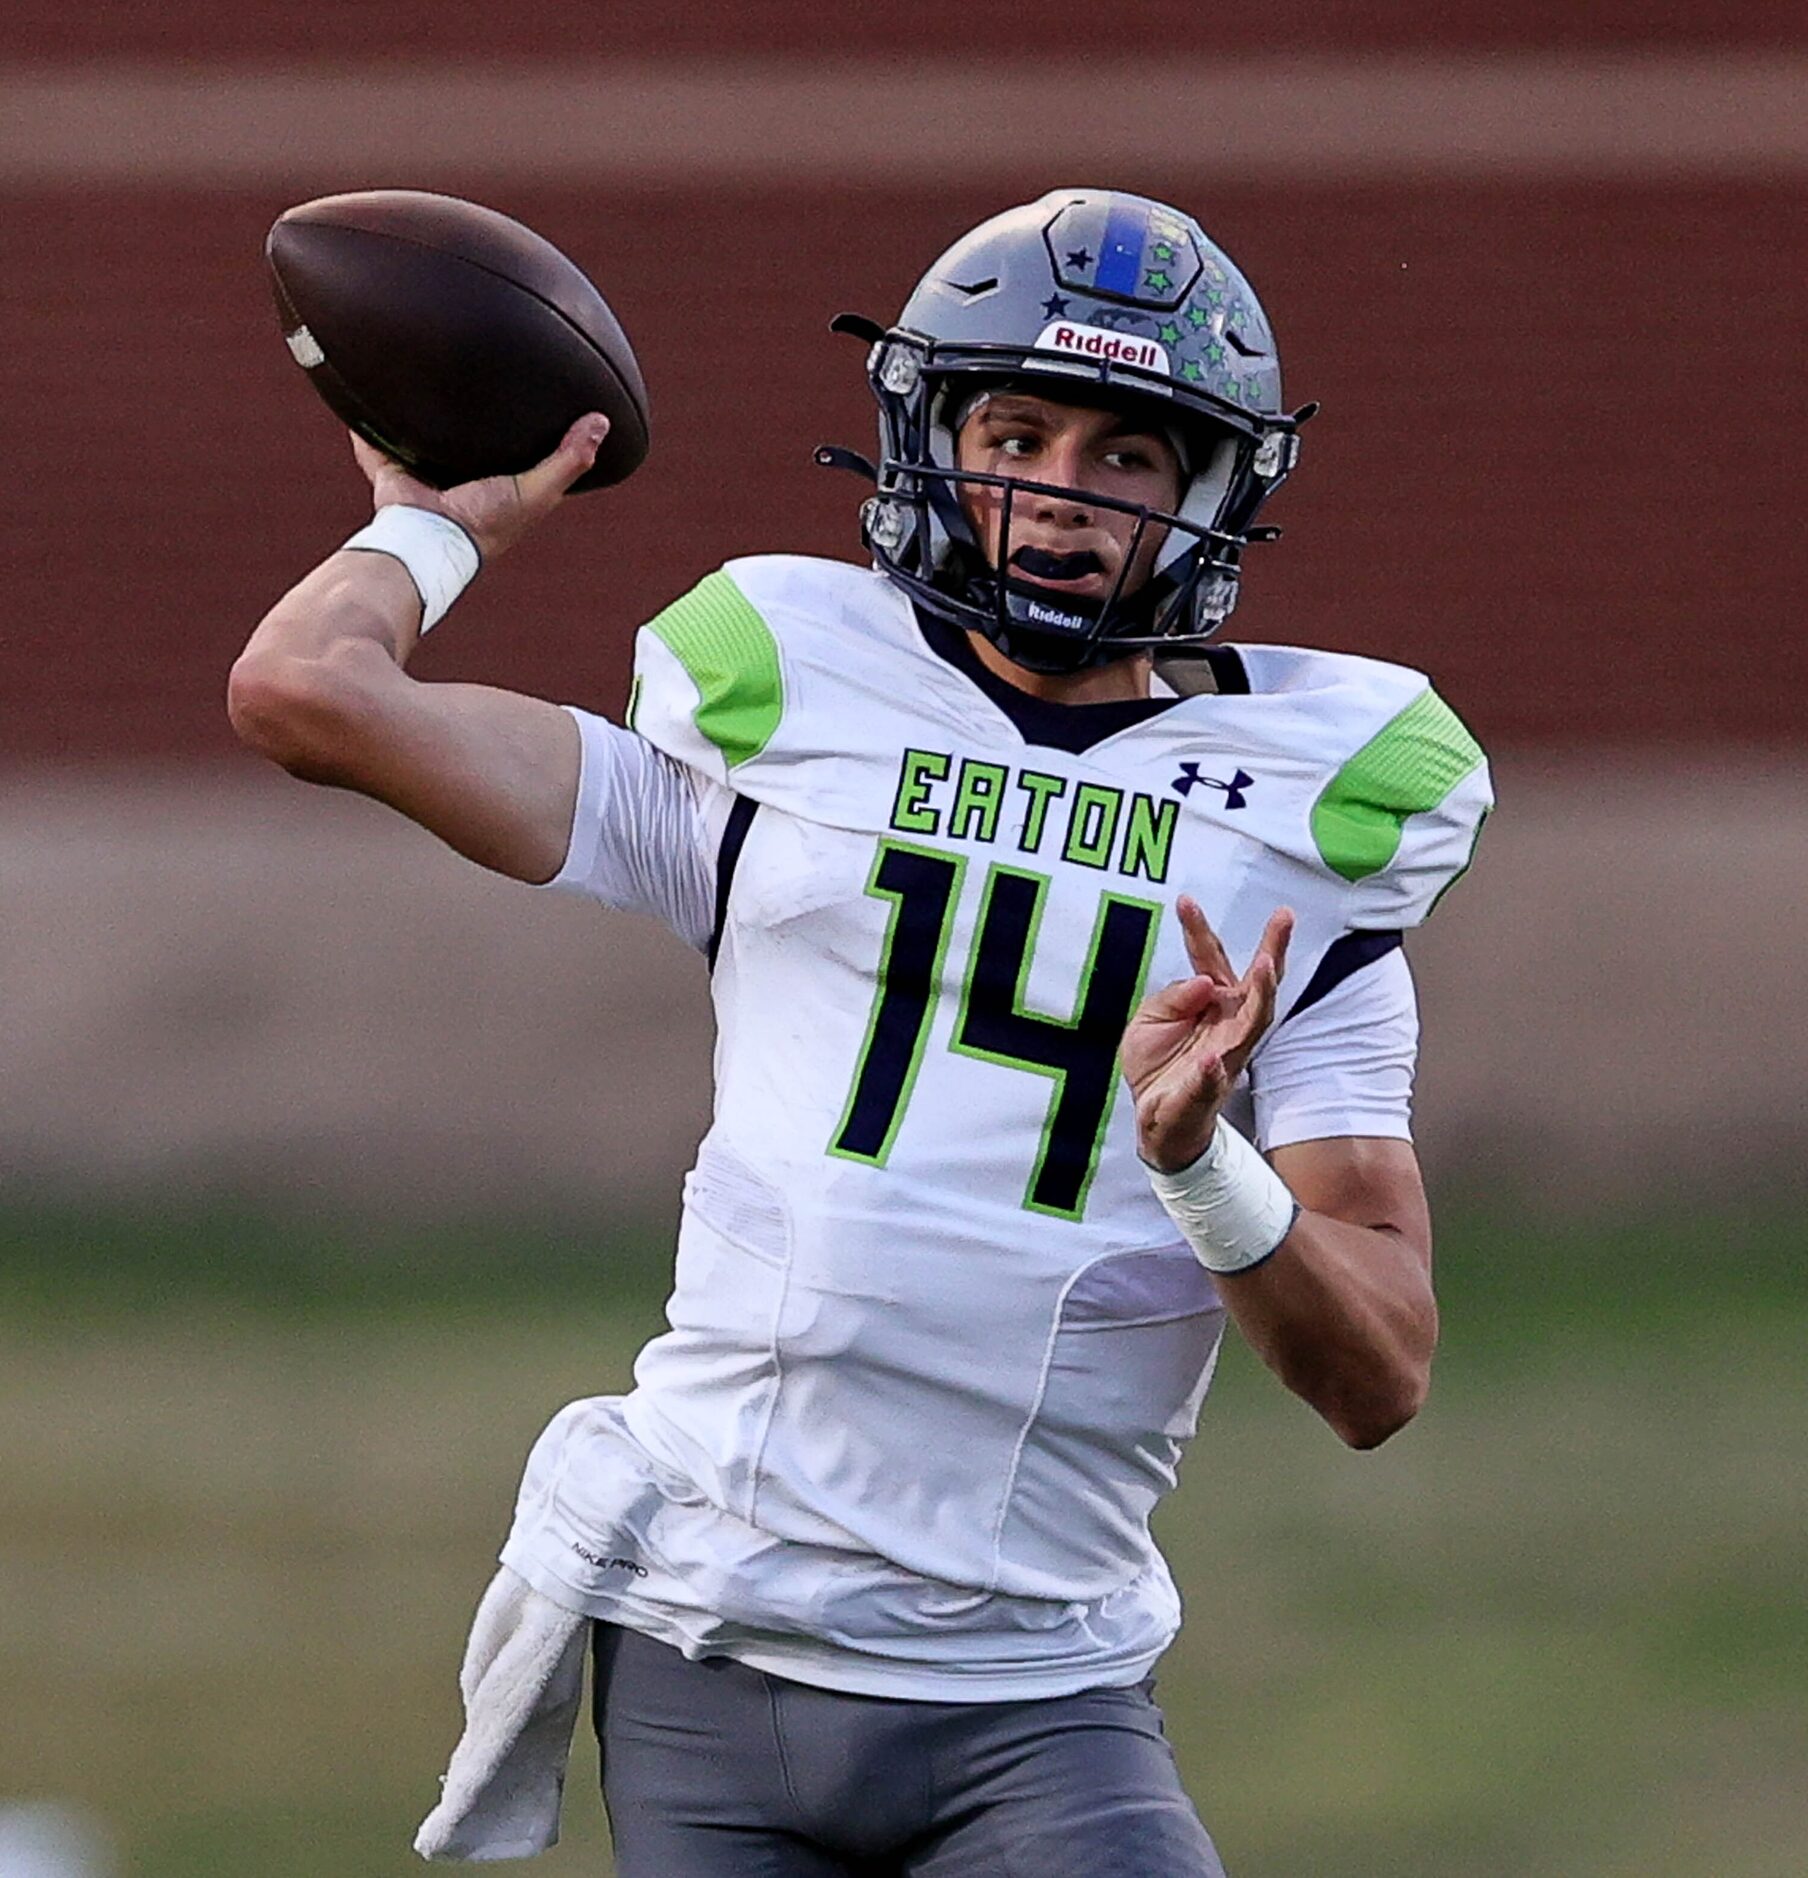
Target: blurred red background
(1553,466)
(1551,308)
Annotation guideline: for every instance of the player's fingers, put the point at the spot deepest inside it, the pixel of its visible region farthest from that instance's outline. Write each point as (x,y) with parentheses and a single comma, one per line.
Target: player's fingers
(1258,1011)
(553,475)
(1186,1000)
(1276,936)
(1207,955)
(1227,1001)
(1264,974)
(1217,1018)
(371,460)
(389,481)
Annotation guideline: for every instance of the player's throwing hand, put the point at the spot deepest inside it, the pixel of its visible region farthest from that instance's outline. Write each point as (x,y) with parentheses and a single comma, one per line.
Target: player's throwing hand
(1189,1042)
(497,511)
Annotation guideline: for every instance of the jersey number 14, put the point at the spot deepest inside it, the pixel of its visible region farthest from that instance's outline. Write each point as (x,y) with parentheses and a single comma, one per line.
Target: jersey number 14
(1079,1053)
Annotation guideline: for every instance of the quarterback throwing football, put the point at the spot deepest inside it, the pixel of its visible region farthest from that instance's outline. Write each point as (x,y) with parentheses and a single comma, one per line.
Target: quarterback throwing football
(997,857)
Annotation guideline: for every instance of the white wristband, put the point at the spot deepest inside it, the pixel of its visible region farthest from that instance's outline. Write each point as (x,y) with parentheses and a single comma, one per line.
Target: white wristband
(441,559)
(1232,1207)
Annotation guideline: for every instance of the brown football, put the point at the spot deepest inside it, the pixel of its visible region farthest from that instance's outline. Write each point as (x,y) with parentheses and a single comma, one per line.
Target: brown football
(452,337)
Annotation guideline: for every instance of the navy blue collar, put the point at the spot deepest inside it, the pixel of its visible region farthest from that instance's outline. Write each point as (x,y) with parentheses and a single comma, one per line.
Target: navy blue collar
(1071,727)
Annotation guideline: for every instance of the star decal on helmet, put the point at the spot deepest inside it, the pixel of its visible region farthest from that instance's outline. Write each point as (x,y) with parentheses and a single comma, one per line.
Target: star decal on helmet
(1162,251)
(1168,333)
(1214,354)
(1196,317)
(1158,280)
(1192,371)
(1079,257)
(1054,307)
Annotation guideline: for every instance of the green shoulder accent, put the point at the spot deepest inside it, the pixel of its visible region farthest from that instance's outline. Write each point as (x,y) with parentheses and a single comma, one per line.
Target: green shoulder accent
(718,636)
(1409,766)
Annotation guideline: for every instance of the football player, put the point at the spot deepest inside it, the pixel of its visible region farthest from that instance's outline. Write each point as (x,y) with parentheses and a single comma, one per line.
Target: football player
(866,1550)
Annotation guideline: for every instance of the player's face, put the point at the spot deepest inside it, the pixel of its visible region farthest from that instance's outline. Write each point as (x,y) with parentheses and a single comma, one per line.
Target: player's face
(1057,542)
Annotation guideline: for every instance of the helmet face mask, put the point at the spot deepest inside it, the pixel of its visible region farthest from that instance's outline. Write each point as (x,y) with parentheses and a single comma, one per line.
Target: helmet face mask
(1157,323)
(1040,627)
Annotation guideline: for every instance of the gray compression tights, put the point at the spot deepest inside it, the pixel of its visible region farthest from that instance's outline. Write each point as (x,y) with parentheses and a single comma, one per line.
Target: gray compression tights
(714,1770)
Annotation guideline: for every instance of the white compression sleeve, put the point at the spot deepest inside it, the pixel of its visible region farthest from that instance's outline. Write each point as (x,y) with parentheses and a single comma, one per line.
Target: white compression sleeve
(640,838)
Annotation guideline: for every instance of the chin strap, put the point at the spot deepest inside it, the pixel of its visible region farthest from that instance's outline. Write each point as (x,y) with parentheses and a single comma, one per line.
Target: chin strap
(833,456)
(857,326)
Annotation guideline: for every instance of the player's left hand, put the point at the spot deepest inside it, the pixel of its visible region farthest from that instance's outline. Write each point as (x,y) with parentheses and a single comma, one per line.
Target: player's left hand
(1189,1042)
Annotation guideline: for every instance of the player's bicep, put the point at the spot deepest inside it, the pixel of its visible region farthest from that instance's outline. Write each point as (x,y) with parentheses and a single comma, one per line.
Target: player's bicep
(1364,1180)
(1333,1099)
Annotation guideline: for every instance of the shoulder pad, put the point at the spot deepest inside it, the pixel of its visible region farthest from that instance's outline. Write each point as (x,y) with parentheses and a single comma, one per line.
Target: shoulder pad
(1399,817)
(709,684)
(720,671)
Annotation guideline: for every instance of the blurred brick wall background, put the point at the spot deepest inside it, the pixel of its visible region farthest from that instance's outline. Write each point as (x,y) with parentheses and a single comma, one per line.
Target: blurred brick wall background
(1554,467)
(352,29)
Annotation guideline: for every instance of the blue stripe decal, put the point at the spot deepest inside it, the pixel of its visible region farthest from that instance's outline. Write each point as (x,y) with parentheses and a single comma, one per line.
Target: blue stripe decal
(728,858)
(1121,249)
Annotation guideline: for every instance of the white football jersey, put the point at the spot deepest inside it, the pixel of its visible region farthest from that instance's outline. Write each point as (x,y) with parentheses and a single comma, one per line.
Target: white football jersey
(935,1348)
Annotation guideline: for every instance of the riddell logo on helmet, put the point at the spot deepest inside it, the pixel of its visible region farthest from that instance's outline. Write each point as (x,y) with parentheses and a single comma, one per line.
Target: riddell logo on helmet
(1094,342)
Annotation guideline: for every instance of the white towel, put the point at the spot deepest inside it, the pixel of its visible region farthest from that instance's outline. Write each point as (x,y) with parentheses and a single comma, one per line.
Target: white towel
(523,1683)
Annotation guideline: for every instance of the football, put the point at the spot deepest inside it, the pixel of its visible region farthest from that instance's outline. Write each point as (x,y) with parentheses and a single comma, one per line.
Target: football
(452,337)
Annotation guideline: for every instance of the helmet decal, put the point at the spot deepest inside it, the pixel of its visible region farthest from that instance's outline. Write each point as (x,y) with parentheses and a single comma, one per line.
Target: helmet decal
(1119,247)
(1099,342)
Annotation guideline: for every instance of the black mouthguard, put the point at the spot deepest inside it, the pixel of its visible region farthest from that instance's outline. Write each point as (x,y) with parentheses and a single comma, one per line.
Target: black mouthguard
(1039,564)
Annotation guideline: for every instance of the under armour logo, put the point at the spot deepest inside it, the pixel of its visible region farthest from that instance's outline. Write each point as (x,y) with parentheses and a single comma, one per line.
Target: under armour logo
(1234,798)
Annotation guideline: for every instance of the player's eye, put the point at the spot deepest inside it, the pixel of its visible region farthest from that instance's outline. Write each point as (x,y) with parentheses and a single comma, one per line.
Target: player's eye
(1018,443)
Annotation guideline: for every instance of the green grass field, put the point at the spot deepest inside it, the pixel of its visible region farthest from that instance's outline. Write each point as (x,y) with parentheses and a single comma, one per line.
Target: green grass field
(253,1479)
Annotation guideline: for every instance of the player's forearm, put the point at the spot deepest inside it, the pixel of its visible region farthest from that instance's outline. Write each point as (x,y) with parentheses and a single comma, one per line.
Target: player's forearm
(350,597)
(1344,1314)
(320,692)
(310,672)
